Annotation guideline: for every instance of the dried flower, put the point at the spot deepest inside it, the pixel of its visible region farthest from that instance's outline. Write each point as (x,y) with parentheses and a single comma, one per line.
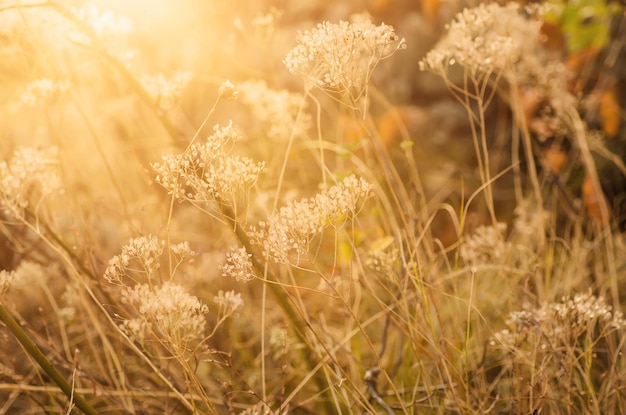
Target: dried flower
(340,57)
(139,256)
(382,255)
(206,172)
(166,89)
(168,311)
(265,24)
(25,275)
(561,322)
(228,302)
(182,250)
(293,227)
(485,245)
(228,91)
(276,110)
(104,23)
(39,91)
(485,39)
(30,170)
(238,265)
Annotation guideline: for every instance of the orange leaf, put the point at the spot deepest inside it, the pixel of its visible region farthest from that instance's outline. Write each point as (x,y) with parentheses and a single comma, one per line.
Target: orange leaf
(430,8)
(610,113)
(591,200)
(554,158)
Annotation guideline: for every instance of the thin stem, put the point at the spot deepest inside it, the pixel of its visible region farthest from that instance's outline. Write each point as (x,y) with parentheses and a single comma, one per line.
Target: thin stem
(34,351)
(308,353)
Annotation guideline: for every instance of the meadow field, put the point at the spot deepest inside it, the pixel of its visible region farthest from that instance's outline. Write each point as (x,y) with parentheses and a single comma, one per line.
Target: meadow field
(312,207)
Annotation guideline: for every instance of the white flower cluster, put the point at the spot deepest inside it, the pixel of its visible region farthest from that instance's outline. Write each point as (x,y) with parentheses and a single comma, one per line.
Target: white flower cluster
(340,57)
(227,90)
(293,227)
(561,322)
(26,275)
(382,261)
(139,256)
(275,110)
(485,39)
(584,309)
(40,91)
(265,24)
(228,303)
(166,89)
(485,245)
(167,311)
(206,172)
(238,265)
(30,170)
(104,23)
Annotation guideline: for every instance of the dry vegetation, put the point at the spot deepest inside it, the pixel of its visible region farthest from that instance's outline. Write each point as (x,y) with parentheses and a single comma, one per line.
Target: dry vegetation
(230,208)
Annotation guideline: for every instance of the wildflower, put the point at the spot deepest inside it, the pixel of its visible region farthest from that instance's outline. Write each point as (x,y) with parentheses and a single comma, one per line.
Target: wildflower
(228,302)
(276,110)
(238,265)
(485,39)
(278,341)
(143,252)
(104,23)
(340,57)
(206,172)
(584,309)
(562,322)
(227,90)
(29,170)
(182,250)
(39,91)
(167,311)
(485,245)
(293,226)
(382,255)
(166,89)
(25,275)
(265,24)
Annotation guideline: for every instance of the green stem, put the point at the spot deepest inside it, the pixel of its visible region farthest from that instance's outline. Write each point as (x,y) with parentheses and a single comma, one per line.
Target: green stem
(34,351)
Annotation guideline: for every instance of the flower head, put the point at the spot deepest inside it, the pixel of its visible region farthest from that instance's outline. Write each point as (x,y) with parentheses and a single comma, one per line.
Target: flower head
(168,311)
(276,110)
(166,89)
(340,57)
(206,172)
(140,255)
(228,302)
(30,170)
(238,265)
(293,226)
(485,245)
(485,39)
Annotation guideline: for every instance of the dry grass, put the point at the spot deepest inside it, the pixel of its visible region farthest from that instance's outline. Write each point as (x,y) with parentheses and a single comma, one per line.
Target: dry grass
(357,236)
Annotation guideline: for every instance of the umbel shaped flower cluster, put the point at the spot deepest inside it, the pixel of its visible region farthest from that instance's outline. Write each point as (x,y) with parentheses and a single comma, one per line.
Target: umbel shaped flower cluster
(560,323)
(168,311)
(293,226)
(31,173)
(138,257)
(340,57)
(164,311)
(276,110)
(485,39)
(207,172)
